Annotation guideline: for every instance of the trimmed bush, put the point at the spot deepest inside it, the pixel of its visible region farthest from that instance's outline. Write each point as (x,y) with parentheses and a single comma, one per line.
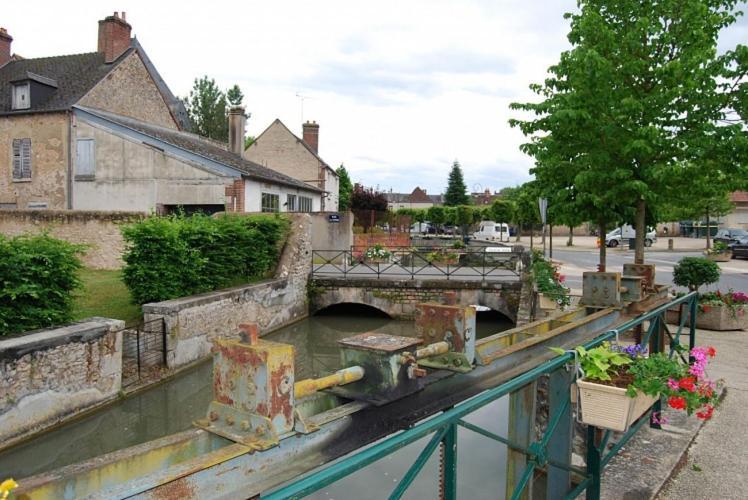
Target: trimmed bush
(38,275)
(177,256)
(695,271)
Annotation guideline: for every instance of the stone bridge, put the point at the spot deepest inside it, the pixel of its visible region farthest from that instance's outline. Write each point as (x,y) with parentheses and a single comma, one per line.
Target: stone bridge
(398,298)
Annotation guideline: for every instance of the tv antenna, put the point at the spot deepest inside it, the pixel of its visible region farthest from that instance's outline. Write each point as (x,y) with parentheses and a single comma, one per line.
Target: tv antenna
(302,97)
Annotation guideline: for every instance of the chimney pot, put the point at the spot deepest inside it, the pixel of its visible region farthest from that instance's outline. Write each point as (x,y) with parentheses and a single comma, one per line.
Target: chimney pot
(311,135)
(5,41)
(237,124)
(114,37)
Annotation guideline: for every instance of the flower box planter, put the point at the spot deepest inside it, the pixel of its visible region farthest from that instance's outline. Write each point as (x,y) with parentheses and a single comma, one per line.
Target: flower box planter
(717,318)
(382,260)
(447,261)
(609,407)
(547,303)
(720,257)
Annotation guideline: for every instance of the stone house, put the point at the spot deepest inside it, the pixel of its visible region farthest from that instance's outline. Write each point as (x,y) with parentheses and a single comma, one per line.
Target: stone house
(417,199)
(738,218)
(485,198)
(281,150)
(102,131)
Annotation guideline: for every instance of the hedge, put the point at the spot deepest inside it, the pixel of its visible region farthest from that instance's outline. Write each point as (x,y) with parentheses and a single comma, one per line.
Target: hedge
(38,275)
(177,256)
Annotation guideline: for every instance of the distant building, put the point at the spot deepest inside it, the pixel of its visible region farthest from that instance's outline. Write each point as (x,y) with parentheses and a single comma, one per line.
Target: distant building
(102,131)
(484,198)
(418,198)
(738,218)
(279,149)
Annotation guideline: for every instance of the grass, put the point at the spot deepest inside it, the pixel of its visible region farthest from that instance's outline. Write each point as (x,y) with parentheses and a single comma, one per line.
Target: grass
(104,294)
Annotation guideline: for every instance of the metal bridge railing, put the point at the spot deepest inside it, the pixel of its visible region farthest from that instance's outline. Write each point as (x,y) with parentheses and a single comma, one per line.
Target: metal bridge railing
(484,264)
(550,454)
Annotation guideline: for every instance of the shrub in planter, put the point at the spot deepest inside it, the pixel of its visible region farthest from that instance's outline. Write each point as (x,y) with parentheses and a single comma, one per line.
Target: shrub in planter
(376,254)
(693,272)
(620,384)
(549,281)
(443,256)
(38,275)
(719,252)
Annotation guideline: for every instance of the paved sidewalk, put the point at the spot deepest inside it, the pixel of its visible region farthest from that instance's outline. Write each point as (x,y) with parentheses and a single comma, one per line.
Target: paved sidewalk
(586,243)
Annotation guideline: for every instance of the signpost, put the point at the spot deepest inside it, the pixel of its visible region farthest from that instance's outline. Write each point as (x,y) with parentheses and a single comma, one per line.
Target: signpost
(335,218)
(543,205)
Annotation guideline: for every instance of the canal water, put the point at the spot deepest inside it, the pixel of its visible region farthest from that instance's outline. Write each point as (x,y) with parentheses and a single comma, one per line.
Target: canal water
(173,406)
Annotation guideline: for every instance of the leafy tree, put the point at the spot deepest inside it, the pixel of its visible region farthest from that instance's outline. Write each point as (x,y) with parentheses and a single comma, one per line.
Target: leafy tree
(694,272)
(206,107)
(345,188)
(436,215)
(642,90)
(368,205)
(235,96)
(249,140)
(456,190)
(502,210)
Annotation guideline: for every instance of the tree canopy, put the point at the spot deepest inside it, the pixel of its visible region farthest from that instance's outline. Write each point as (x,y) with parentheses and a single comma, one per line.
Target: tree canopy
(456,190)
(345,188)
(641,94)
(207,107)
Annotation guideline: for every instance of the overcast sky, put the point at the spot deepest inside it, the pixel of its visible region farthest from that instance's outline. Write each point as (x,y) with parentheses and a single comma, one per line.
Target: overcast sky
(400,88)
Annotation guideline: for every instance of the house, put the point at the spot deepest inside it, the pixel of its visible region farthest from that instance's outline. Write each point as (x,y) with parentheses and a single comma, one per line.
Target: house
(738,218)
(418,198)
(280,149)
(485,198)
(102,131)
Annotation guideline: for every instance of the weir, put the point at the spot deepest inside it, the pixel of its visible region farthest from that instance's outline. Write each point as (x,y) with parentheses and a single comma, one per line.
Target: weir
(264,428)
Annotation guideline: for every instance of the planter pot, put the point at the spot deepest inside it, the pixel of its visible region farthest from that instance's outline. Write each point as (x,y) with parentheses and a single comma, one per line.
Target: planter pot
(448,262)
(385,260)
(547,303)
(609,407)
(717,318)
(720,257)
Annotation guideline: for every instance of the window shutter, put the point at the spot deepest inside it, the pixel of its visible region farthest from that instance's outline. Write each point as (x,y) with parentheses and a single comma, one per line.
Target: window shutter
(85,157)
(16,158)
(26,158)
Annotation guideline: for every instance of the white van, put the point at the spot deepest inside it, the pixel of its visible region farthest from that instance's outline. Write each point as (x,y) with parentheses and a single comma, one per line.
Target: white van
(620,234)
(492,231)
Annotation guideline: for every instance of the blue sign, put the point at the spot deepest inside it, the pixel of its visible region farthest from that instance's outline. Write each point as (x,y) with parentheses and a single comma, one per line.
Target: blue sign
(333,218)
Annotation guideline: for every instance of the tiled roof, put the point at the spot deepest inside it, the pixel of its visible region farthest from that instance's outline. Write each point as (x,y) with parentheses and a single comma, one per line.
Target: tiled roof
(75,75)
(202,147)
(419,196)
(739,197)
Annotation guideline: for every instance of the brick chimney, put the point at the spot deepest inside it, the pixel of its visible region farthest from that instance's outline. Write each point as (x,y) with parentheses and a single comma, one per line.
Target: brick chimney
(5,40)
(237,124)
(114,36)
(311,135)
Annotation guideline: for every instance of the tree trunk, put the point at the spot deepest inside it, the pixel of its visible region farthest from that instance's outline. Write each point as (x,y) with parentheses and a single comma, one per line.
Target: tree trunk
(519,232)
(708,236)
(570,242)
(532,233)
(641,230)
(601,240)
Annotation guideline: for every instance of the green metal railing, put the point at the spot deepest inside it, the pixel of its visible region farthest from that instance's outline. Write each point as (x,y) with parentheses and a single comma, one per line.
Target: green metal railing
(551,452)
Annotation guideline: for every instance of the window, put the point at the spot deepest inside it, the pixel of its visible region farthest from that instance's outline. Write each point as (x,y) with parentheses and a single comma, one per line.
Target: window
(270,202)
(21,96)
(84,159)
(291,203)
(305,204)
(21,159)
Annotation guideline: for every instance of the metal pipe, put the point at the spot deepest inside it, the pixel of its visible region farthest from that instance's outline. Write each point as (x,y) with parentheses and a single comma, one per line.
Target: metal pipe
(309,386)
(433,350)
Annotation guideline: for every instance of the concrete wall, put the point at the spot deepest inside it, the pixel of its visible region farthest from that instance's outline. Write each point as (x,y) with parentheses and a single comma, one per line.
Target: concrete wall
(193,322)
(100,231)
(399,298)
(133,176)
(51,374)
(129,90)
(49,159)
(328,235)
(253,195)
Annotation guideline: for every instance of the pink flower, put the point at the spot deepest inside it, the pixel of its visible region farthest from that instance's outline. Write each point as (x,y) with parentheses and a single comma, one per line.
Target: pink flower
(672,384)
(659,418)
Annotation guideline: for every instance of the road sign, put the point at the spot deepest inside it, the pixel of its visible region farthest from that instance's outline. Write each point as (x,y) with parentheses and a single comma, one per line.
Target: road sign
(333,218)
(543,204)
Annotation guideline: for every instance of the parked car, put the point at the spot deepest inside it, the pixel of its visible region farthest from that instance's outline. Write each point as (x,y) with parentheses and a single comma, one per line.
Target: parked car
(739,247)
(626,232)
(730,235)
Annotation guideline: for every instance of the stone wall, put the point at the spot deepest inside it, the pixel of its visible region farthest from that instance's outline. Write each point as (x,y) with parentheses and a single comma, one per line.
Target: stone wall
(129,90)
(49,159)
(99,230)
(52,374)
(193,322)
(399,298)
(328,235)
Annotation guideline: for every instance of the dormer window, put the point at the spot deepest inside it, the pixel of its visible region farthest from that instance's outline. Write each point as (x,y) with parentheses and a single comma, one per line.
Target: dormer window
(22,95)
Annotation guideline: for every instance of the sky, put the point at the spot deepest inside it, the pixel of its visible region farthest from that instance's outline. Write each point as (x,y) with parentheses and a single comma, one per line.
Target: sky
(400,89)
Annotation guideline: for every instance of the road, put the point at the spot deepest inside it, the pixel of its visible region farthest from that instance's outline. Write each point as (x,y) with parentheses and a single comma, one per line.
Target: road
(734,273)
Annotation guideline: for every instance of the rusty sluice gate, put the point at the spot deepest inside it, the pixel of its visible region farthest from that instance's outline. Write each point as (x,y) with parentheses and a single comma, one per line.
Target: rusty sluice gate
(264,428)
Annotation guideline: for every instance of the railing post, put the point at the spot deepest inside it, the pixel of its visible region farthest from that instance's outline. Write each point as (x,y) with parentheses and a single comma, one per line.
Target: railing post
(656,345)
(137,347)
(163,340)
(560,443)
(522,432)
(692,325)
(449,464)
(593,464)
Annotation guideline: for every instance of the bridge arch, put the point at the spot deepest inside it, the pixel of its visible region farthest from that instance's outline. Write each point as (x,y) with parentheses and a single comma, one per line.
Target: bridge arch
(351,307)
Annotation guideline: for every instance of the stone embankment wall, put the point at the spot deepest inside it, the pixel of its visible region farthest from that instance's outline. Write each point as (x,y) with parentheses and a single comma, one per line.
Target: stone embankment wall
(99,231)
(51,374)
(193,322)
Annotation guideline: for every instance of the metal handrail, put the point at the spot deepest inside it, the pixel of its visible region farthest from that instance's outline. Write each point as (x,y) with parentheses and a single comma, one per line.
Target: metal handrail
(444,428)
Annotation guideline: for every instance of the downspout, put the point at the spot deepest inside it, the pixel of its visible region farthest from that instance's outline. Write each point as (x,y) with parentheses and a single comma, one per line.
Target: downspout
(71,116)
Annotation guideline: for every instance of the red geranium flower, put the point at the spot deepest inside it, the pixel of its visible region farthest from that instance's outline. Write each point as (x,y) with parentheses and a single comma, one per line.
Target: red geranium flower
(706,308)
(706,413)
(677,402)
(687,383)
(711,351)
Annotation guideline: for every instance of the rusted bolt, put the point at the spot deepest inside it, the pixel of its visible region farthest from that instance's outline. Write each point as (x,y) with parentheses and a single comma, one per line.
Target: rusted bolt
(457,362)
(285,385)
(467,334)
(244,424)
(213,416)
(232,384)
(230,420)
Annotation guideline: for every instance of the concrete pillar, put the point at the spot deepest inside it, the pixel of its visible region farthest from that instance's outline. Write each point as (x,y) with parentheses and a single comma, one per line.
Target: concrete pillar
(237,124)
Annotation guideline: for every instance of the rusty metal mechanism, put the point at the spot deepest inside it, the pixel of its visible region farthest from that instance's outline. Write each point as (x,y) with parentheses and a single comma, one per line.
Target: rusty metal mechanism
(453,325)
